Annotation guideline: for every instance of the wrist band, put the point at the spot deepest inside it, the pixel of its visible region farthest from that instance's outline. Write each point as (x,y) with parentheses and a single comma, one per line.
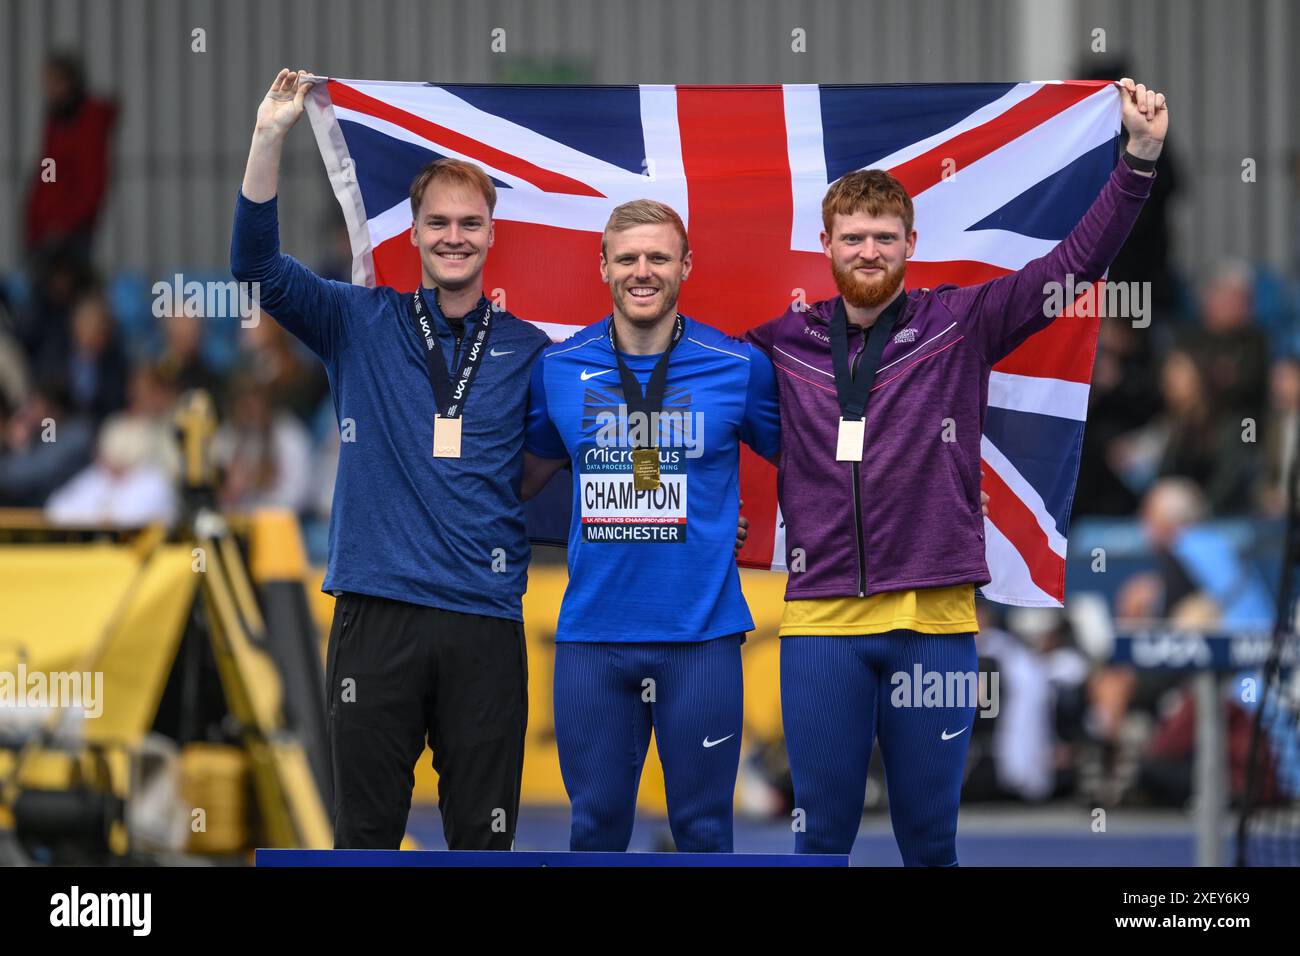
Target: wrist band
(1137,163)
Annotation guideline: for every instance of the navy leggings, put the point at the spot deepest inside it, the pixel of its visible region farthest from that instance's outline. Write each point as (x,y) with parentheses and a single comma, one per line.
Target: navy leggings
(608,696)
(837,693)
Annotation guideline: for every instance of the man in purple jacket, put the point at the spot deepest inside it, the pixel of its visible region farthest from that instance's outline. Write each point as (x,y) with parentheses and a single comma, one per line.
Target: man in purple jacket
(883,394)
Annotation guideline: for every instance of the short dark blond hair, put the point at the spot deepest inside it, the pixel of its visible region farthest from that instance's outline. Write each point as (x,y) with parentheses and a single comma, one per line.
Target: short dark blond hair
(452,172)
(872,191)
(643,212)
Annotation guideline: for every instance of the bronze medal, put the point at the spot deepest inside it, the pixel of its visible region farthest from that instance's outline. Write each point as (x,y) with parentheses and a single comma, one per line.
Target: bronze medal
(446,437)
(848,447)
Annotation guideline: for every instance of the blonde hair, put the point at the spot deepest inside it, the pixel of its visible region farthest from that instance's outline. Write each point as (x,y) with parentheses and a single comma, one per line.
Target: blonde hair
(643,212)
(454,172)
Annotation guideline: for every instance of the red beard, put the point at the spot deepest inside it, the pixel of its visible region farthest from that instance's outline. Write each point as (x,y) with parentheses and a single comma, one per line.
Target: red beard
(867,293)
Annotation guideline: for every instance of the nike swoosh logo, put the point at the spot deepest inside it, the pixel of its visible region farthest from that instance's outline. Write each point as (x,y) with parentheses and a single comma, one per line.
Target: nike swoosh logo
(586,375)
(947,736)
(713,743)
(495,354)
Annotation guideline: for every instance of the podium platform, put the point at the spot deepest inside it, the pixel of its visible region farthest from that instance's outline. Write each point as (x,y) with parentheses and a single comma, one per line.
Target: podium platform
(531,858)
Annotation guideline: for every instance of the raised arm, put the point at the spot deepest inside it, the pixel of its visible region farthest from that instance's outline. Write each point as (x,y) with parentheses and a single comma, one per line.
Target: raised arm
(276,115)
(1146,119)
(1000,314)
(310,307)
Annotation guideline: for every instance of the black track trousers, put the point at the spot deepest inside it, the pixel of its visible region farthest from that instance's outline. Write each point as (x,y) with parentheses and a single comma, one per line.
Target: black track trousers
(396,672)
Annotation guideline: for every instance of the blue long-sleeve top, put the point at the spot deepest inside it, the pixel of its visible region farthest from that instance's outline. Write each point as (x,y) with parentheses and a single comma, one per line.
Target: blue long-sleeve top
(439,532)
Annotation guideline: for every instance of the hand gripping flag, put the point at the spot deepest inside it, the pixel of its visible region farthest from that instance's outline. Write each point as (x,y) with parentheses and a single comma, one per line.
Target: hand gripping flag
(998,173)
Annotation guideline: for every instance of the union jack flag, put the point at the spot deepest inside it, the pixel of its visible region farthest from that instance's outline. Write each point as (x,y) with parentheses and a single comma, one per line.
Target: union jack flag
(998,173)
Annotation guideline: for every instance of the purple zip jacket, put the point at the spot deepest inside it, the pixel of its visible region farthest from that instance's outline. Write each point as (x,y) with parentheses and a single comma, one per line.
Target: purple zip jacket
(908,516)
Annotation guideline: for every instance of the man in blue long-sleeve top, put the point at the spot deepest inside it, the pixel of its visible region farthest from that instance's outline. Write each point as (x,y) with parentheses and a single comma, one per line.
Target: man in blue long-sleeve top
(428,554)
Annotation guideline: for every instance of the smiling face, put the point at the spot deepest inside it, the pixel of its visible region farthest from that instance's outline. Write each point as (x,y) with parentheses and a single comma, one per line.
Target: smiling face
(453,231)
(644,266)
(868,256)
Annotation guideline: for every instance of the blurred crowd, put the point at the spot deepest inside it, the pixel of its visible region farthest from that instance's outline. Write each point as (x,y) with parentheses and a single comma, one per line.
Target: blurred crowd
(90,377)
(1192,418)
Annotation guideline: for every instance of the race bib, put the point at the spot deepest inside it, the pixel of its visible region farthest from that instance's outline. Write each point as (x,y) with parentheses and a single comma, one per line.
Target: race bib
(614,510)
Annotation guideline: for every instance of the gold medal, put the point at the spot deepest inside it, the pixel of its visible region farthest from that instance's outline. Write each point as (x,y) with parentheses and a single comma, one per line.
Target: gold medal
(851,437)
(446,437)
(645,469)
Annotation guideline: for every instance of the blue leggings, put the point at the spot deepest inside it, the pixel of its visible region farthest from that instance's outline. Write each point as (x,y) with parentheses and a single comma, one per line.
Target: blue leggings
(608,696)
(836,692)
